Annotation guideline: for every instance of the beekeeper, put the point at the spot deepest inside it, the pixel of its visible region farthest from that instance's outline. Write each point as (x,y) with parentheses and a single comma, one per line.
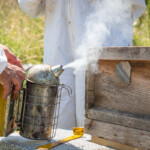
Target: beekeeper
(64,22)
(11,71)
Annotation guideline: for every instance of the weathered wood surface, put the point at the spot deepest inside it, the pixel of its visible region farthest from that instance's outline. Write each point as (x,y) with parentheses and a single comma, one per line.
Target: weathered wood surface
(115,145)
(139,67)
(90,78)
(125,53)
(123,73)
(123,113)
(117,133)
(135,98)
(90,89)
(120,118)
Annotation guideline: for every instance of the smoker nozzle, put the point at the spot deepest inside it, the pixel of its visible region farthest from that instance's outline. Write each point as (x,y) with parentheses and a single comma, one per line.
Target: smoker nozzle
(57,70)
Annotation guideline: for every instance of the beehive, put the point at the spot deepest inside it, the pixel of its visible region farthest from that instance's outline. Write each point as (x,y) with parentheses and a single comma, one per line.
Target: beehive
(118,97)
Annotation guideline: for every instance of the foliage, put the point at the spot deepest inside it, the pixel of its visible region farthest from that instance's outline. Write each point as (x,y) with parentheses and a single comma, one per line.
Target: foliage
(142,28)
(24,36)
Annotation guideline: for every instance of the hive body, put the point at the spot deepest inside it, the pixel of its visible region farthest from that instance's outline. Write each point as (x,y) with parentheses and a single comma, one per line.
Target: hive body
(118,97)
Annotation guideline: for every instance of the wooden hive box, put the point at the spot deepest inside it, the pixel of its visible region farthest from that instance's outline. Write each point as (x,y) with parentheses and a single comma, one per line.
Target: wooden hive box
(118,98)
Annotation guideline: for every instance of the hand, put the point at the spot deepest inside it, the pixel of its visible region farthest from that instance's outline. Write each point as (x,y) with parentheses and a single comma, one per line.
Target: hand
(11,58)
(12,75)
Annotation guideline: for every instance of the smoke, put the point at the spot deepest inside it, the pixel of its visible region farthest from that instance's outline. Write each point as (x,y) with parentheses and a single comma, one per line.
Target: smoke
(108,25)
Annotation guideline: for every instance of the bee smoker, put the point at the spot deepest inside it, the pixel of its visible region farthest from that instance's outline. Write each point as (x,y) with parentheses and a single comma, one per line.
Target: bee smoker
(37,110)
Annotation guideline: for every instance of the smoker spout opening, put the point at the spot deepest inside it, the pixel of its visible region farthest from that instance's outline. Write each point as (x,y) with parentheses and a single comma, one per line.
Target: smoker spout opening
(57,70)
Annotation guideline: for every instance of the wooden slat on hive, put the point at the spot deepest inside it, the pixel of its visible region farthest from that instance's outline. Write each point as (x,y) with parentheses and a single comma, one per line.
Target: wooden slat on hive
(112,144)
(125,53)
(89,90)
(127,119)
(125,135)
(134,98)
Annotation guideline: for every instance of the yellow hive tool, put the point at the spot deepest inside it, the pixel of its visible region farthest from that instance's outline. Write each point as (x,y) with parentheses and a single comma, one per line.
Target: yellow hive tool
(78,133)
(2,110)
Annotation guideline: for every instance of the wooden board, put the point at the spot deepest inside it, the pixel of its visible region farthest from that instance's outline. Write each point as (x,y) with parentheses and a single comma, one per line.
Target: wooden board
(125,53)
(128,136)
(135,98)
(90,90)
(120,118)
(112,144)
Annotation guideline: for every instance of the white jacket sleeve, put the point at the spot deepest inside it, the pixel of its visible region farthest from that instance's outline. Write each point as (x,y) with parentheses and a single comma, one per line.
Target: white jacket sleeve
(3,60)
(33,8)
(138,7)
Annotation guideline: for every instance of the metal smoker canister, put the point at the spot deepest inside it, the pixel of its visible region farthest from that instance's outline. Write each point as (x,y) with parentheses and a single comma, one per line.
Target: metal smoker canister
(41,101)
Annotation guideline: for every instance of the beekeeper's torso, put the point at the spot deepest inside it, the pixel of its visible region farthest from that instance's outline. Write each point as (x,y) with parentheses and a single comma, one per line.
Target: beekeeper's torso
(65,24)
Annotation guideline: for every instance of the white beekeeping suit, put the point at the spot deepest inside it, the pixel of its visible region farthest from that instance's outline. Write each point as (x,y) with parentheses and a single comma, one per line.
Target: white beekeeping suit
(3,60)
(64,21)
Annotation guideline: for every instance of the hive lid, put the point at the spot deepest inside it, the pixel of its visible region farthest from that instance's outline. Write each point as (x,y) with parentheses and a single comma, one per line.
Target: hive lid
(124,53)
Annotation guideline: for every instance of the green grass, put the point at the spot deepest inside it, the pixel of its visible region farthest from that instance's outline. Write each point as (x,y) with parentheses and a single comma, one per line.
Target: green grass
(142,31)
(25,36)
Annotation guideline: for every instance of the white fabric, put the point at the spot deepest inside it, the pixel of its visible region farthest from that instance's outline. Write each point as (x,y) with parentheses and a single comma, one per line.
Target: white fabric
(138,7)
(64,26)
(3,60)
